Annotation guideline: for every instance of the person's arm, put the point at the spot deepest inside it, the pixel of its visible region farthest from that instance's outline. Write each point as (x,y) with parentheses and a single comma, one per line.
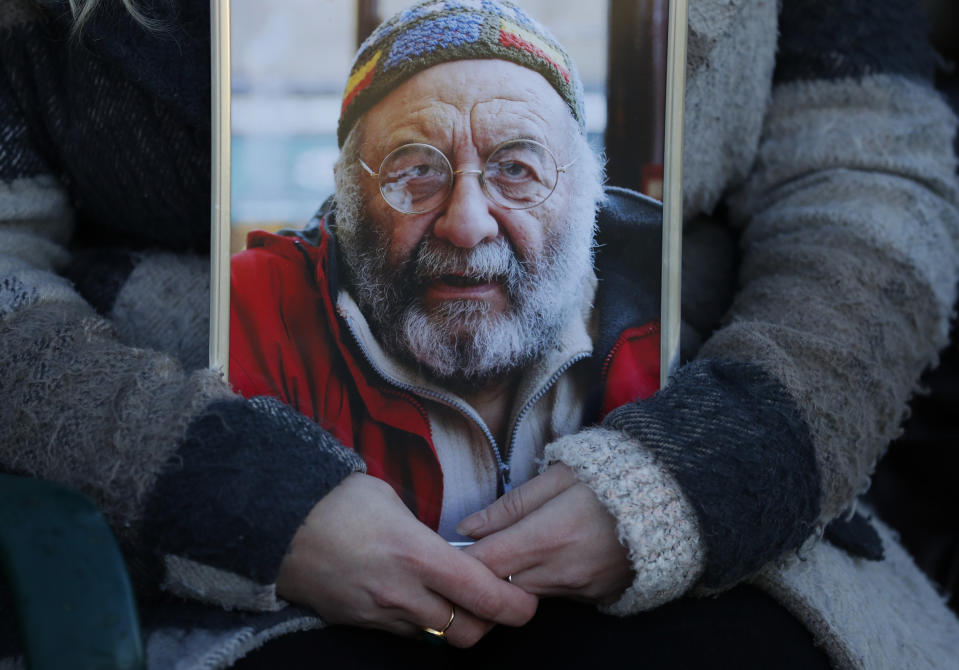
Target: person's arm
(850,243)
(204,489)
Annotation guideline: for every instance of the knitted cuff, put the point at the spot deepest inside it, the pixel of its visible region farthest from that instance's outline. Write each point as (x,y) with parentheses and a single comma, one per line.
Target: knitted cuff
(734,441)
(654,520)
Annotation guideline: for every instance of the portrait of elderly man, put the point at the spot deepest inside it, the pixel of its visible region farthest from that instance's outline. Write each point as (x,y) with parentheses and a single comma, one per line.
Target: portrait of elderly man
(439,316)
(454,278)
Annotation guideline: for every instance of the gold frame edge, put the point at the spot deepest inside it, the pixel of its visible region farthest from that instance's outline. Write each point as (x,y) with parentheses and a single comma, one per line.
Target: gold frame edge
(220,186)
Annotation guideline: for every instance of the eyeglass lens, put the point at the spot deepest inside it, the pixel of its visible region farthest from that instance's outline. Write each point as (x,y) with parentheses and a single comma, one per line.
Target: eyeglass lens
(417,178)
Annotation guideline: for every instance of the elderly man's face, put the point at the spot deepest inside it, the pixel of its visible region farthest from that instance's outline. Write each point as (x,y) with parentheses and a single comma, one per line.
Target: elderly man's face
(443,286)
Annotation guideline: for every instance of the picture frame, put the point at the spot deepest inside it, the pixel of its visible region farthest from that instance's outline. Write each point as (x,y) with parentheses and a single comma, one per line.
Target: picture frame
(228,120)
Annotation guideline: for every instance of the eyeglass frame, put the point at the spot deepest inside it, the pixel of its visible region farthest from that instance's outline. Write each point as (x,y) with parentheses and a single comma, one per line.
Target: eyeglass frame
(455,173)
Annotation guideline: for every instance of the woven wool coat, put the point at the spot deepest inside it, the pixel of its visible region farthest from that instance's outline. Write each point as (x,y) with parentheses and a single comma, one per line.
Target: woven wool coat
(812,133)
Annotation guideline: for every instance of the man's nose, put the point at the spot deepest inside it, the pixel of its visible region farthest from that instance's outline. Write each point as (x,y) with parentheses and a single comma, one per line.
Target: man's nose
(465,219)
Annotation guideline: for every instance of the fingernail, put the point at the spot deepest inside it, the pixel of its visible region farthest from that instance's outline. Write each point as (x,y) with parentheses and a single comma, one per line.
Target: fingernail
(470,524)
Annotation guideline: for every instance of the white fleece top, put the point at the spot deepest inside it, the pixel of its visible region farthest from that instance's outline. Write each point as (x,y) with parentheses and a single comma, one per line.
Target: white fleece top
(548,405)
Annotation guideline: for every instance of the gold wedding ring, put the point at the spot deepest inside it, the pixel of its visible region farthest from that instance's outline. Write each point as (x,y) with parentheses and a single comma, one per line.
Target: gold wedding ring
(441,634)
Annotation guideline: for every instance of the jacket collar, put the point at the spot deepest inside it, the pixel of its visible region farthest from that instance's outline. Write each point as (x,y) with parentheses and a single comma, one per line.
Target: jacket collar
(576,340)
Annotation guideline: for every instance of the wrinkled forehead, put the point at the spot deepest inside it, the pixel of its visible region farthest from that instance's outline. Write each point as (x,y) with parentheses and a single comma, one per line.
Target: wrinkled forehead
(480,103)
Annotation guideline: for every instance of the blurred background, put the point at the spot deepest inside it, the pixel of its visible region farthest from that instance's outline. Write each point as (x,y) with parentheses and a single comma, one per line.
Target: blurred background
(290,60)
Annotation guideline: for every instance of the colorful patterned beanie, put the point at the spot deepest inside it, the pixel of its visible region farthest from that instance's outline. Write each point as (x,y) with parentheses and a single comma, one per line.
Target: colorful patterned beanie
(440,31)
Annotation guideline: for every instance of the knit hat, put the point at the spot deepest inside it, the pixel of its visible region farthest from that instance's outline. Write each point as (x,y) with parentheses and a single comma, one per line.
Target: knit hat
(440,31)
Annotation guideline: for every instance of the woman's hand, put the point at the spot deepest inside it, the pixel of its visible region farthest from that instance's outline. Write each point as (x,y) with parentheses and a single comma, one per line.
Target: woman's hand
(362,558)
(554,537)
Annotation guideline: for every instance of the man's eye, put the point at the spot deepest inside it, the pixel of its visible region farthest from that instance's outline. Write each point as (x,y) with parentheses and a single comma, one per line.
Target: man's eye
(513,170)
(420,171)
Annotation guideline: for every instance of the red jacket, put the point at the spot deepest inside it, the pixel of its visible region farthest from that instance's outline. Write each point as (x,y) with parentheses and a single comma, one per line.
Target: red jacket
(287,341)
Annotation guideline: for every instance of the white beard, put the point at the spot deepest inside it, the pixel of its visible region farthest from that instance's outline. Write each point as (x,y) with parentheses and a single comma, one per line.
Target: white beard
(462,343)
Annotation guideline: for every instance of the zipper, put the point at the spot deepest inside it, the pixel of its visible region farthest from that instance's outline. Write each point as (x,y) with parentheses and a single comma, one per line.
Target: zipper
(501,458)
(501,467)
(529,405)
(412,391)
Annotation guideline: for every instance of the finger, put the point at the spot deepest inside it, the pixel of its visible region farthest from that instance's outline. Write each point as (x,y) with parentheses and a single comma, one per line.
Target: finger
(465,629)
(518,503)
(409,611)
(458,626)
(549,581)
(428,609)
(567,547)
(535,538)
(545,581)
(470,585)
(514,551)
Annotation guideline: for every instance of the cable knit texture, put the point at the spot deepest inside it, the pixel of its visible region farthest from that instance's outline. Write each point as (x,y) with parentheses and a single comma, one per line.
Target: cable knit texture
(655,522)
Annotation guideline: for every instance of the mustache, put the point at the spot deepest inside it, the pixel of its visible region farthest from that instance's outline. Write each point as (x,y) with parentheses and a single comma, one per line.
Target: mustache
(490,261)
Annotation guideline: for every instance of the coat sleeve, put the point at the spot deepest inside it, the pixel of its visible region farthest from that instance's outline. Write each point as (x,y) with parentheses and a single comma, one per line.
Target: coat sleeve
(849,232)
(204,489)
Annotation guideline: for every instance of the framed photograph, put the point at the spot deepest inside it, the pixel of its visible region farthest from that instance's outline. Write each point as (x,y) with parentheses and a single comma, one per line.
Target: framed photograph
(404,200)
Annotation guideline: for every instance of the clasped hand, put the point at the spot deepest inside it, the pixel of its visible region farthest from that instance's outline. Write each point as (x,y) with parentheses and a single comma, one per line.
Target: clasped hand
(555,538)
(362,558)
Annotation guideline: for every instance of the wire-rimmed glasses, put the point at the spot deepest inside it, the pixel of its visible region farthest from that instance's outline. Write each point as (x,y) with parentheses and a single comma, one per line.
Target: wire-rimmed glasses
(417,178)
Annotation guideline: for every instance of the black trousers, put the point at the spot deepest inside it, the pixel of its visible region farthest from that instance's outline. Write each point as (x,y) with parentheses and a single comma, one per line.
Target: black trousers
(743,628)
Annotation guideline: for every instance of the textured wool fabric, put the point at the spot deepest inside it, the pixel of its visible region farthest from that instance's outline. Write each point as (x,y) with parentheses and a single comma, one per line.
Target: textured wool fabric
(856,536)
(99,274)
(889,255)
(134,407)
(823,209)
(440,31)
(655,521)
(125,186)
(34,206)
(163,303)
(187,635)
(704,428)
(731,56)
(280,465)
(867,614)
(851,38)
(95,393)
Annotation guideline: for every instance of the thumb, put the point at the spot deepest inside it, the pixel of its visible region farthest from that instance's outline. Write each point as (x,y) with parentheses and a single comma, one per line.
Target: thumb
(518,502)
